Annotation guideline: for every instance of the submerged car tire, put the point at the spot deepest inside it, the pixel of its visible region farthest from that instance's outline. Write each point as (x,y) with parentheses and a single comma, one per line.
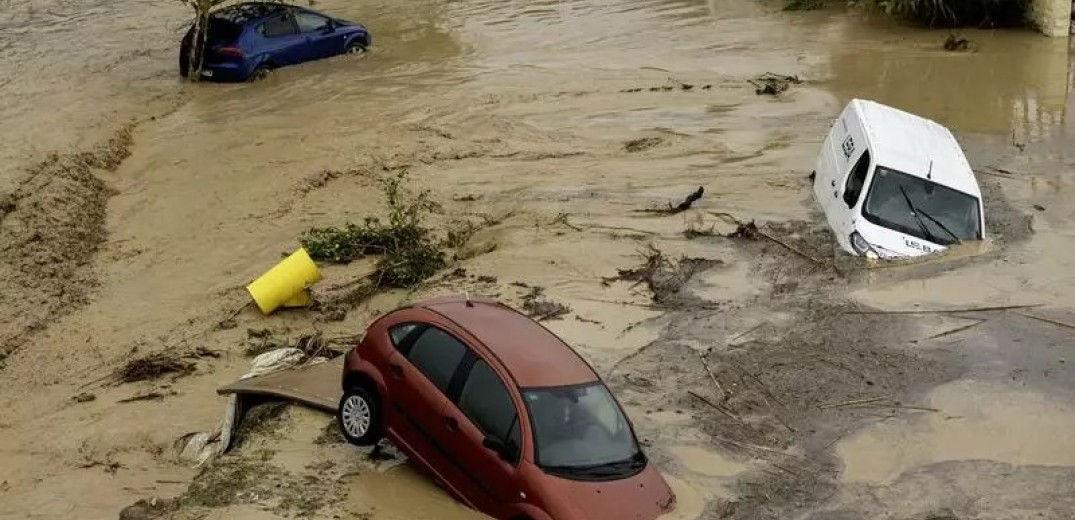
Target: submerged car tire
(359,416)
(355,47)
(260,72)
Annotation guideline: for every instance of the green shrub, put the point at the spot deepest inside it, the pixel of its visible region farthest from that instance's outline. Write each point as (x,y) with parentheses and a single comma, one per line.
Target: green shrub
(959,12)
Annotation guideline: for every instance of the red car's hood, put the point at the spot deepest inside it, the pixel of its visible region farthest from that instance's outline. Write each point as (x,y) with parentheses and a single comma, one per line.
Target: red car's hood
(644,496)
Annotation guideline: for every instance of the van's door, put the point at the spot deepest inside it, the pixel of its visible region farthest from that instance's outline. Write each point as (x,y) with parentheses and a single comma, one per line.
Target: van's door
(852,158)
(834,163)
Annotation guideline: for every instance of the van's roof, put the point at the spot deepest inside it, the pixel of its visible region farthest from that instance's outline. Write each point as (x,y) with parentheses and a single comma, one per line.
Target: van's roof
(908,143)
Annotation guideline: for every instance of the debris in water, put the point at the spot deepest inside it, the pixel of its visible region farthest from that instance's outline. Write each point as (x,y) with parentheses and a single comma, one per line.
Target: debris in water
(84,397)
(540,308)
(748,231)
(773,84)
(681,207)
(663,277)
(152,367)
(804,5)
(641,144)
(955,43)
(147,509)
(312,344)
(1039,207)
(151,396)
(692,232)
(202,352)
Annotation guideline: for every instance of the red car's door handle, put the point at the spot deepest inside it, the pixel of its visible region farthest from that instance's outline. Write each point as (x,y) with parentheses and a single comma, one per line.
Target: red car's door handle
(397,369)
(453,424)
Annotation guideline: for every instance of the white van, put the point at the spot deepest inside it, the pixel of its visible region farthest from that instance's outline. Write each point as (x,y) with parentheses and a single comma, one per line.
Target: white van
(895,185)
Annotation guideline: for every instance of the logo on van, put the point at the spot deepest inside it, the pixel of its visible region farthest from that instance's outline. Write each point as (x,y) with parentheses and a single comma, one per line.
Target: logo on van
(915,245)
(849,147)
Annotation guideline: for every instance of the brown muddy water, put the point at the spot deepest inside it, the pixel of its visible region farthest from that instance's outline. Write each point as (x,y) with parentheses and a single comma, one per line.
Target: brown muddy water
(117,244)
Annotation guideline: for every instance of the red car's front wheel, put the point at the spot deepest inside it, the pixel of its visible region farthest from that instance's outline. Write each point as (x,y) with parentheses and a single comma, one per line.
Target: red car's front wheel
(359,417)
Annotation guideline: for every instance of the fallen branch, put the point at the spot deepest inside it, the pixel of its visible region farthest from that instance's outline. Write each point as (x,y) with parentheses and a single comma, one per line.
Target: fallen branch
(152,396)
(683,206)
(721,394)
(562,219)
(946,311)
(957,330)
(852,402)
(1047,320)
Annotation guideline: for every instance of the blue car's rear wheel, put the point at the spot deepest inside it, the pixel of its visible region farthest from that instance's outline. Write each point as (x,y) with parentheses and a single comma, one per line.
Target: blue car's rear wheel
(261,72)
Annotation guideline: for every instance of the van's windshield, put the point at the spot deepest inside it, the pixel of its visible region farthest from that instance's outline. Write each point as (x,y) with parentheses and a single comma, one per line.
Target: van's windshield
(580,431)
(921,208)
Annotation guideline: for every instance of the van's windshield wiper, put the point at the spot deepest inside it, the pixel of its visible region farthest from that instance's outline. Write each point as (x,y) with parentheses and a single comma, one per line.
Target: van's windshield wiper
(917,218)
(942,226)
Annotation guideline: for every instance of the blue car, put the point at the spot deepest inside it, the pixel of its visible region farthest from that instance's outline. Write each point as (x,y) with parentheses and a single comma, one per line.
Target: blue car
(246,41)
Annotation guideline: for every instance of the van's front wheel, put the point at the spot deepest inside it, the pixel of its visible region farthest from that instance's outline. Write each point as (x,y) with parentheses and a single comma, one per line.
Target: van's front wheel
(359,417)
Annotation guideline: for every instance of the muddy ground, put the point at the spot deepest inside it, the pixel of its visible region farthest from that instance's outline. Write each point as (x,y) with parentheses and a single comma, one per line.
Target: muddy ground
(132,219)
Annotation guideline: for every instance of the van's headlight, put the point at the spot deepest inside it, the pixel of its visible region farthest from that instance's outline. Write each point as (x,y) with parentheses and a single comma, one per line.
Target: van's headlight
(861,246)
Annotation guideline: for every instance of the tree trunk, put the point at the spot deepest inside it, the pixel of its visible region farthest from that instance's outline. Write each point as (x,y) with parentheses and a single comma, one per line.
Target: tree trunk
(199,35)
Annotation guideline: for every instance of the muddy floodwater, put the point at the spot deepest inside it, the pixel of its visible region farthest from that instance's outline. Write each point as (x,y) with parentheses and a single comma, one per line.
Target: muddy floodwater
(134,209)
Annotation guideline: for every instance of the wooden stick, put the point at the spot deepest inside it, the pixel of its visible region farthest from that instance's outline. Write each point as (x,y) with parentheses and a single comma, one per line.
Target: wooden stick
(946,311)
(715,406)
(748,446)
(1047,320)
(752,329)
(721,394)
(957,329)
(904,407)
(852,402)
(792,249)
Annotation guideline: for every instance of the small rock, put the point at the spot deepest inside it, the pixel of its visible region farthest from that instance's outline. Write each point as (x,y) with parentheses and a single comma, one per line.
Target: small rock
(1039,207)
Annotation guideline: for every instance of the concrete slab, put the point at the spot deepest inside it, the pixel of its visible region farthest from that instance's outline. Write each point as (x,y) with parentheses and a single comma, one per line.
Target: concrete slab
(317,386)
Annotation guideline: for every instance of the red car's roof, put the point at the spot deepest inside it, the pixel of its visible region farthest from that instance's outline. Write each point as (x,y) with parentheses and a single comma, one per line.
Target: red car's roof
(534,356)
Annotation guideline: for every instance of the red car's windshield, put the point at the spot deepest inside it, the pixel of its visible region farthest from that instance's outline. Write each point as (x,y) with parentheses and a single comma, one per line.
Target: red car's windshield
(581,427)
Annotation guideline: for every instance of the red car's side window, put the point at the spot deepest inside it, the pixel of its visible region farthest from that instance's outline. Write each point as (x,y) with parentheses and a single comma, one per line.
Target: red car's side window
(486,401)
(437,355)
(401,334)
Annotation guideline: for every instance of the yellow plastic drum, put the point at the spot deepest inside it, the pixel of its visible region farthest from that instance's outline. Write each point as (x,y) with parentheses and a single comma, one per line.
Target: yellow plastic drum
(285,284)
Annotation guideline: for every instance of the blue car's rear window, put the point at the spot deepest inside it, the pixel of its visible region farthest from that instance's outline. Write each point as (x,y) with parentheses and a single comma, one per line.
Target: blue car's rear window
(223,31)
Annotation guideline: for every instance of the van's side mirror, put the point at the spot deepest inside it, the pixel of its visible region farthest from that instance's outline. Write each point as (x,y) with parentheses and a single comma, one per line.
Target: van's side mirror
(497,446)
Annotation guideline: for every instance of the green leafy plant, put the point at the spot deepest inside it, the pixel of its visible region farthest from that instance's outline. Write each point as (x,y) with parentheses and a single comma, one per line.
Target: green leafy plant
(409,252)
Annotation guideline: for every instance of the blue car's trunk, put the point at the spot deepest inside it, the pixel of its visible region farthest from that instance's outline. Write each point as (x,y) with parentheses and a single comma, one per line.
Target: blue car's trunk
(221,33)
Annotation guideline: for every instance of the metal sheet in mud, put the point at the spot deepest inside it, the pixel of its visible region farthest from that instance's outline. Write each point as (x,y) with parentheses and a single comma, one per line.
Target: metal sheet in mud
(317,385)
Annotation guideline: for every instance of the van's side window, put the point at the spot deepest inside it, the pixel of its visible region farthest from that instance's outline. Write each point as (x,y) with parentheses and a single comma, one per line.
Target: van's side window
(853,188)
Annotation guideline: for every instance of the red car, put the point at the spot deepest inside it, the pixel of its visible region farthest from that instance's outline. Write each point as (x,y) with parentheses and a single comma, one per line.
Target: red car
(506,416)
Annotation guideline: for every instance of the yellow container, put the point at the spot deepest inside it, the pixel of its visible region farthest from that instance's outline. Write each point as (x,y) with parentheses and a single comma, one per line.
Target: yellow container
(286,283)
